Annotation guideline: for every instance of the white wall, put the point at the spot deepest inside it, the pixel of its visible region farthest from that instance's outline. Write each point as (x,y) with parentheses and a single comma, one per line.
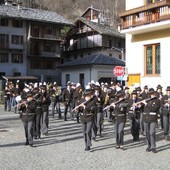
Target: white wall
(135,61)
(130,4)
(89,74)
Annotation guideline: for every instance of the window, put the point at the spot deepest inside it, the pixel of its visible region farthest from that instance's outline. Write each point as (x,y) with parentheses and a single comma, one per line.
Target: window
(4,58)
(67,78)
(16,74)
(151,1)
(17,39)
(17,58)
(4,39)
(17,23)
(49,47)
(36,31)
(42,64)
(152,59)
(49,30)
(81,78)
(75,57)
(3,22)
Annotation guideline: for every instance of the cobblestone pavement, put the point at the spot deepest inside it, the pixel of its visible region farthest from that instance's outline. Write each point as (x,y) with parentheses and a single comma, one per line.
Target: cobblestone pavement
(63,148)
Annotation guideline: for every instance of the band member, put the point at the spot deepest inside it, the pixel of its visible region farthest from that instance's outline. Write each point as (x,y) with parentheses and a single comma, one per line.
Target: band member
(38,116)
(165,105)
(120,110)
(159,95)
(67,98)
(127,94)
(77,95)
(134,111)
(112,97)
(28,108)
(55,103)
(139,95)
(7,93)
(87,118)
(45,110)
(98,117)
(151,108)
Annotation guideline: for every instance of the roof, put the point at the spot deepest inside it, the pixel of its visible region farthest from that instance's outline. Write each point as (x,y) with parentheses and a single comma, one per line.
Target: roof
(20,78)
(32,14)
(90,8)
(102,29)
(94,59)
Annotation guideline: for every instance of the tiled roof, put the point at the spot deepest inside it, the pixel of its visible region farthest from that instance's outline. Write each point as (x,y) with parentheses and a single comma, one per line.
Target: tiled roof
(94,59)
(102,29)
(11,11)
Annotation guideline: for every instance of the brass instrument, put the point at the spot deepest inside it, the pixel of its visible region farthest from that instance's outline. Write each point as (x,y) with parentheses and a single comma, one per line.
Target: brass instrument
(106,98)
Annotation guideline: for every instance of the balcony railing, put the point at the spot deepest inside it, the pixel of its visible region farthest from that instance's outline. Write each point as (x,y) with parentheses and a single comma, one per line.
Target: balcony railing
(151,13)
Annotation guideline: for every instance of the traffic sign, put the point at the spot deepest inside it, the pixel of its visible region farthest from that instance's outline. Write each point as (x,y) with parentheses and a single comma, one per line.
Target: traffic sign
(118,71)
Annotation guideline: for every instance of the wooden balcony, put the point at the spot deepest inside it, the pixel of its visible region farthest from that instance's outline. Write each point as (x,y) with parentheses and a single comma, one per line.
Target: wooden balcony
(148,14)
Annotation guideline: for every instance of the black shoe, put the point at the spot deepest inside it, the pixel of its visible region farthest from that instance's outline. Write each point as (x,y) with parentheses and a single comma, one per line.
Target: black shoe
(148,149)
(87,148)
(154,151)
(94,139)
(122,147)
(167,138)
(117,146)
(31,145)
(27,143)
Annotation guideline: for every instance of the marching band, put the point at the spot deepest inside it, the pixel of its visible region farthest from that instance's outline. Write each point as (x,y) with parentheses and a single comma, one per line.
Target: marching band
(91,106)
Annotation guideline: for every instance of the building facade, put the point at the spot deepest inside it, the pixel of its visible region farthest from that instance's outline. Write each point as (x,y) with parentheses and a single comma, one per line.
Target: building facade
(90,37)
(146,24)
(30,42)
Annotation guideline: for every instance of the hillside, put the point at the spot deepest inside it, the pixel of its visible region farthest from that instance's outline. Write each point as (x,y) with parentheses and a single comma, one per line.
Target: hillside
(71,9)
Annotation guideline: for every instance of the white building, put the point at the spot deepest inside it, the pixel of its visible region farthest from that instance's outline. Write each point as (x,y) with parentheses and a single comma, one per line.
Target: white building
(146,24)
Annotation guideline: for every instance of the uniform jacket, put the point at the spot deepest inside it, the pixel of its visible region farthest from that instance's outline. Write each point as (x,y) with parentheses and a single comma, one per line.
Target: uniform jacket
(165,109)
(151,110)
(120,111)
(89,111)
(28,114)
(134,112)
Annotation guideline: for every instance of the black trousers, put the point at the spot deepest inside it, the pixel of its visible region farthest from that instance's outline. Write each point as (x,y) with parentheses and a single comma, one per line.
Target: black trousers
(28,127)
(87,128)
(134,128)
(119,131)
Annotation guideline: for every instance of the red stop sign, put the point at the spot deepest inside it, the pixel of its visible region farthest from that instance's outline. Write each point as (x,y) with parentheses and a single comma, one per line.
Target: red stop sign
(118,71)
